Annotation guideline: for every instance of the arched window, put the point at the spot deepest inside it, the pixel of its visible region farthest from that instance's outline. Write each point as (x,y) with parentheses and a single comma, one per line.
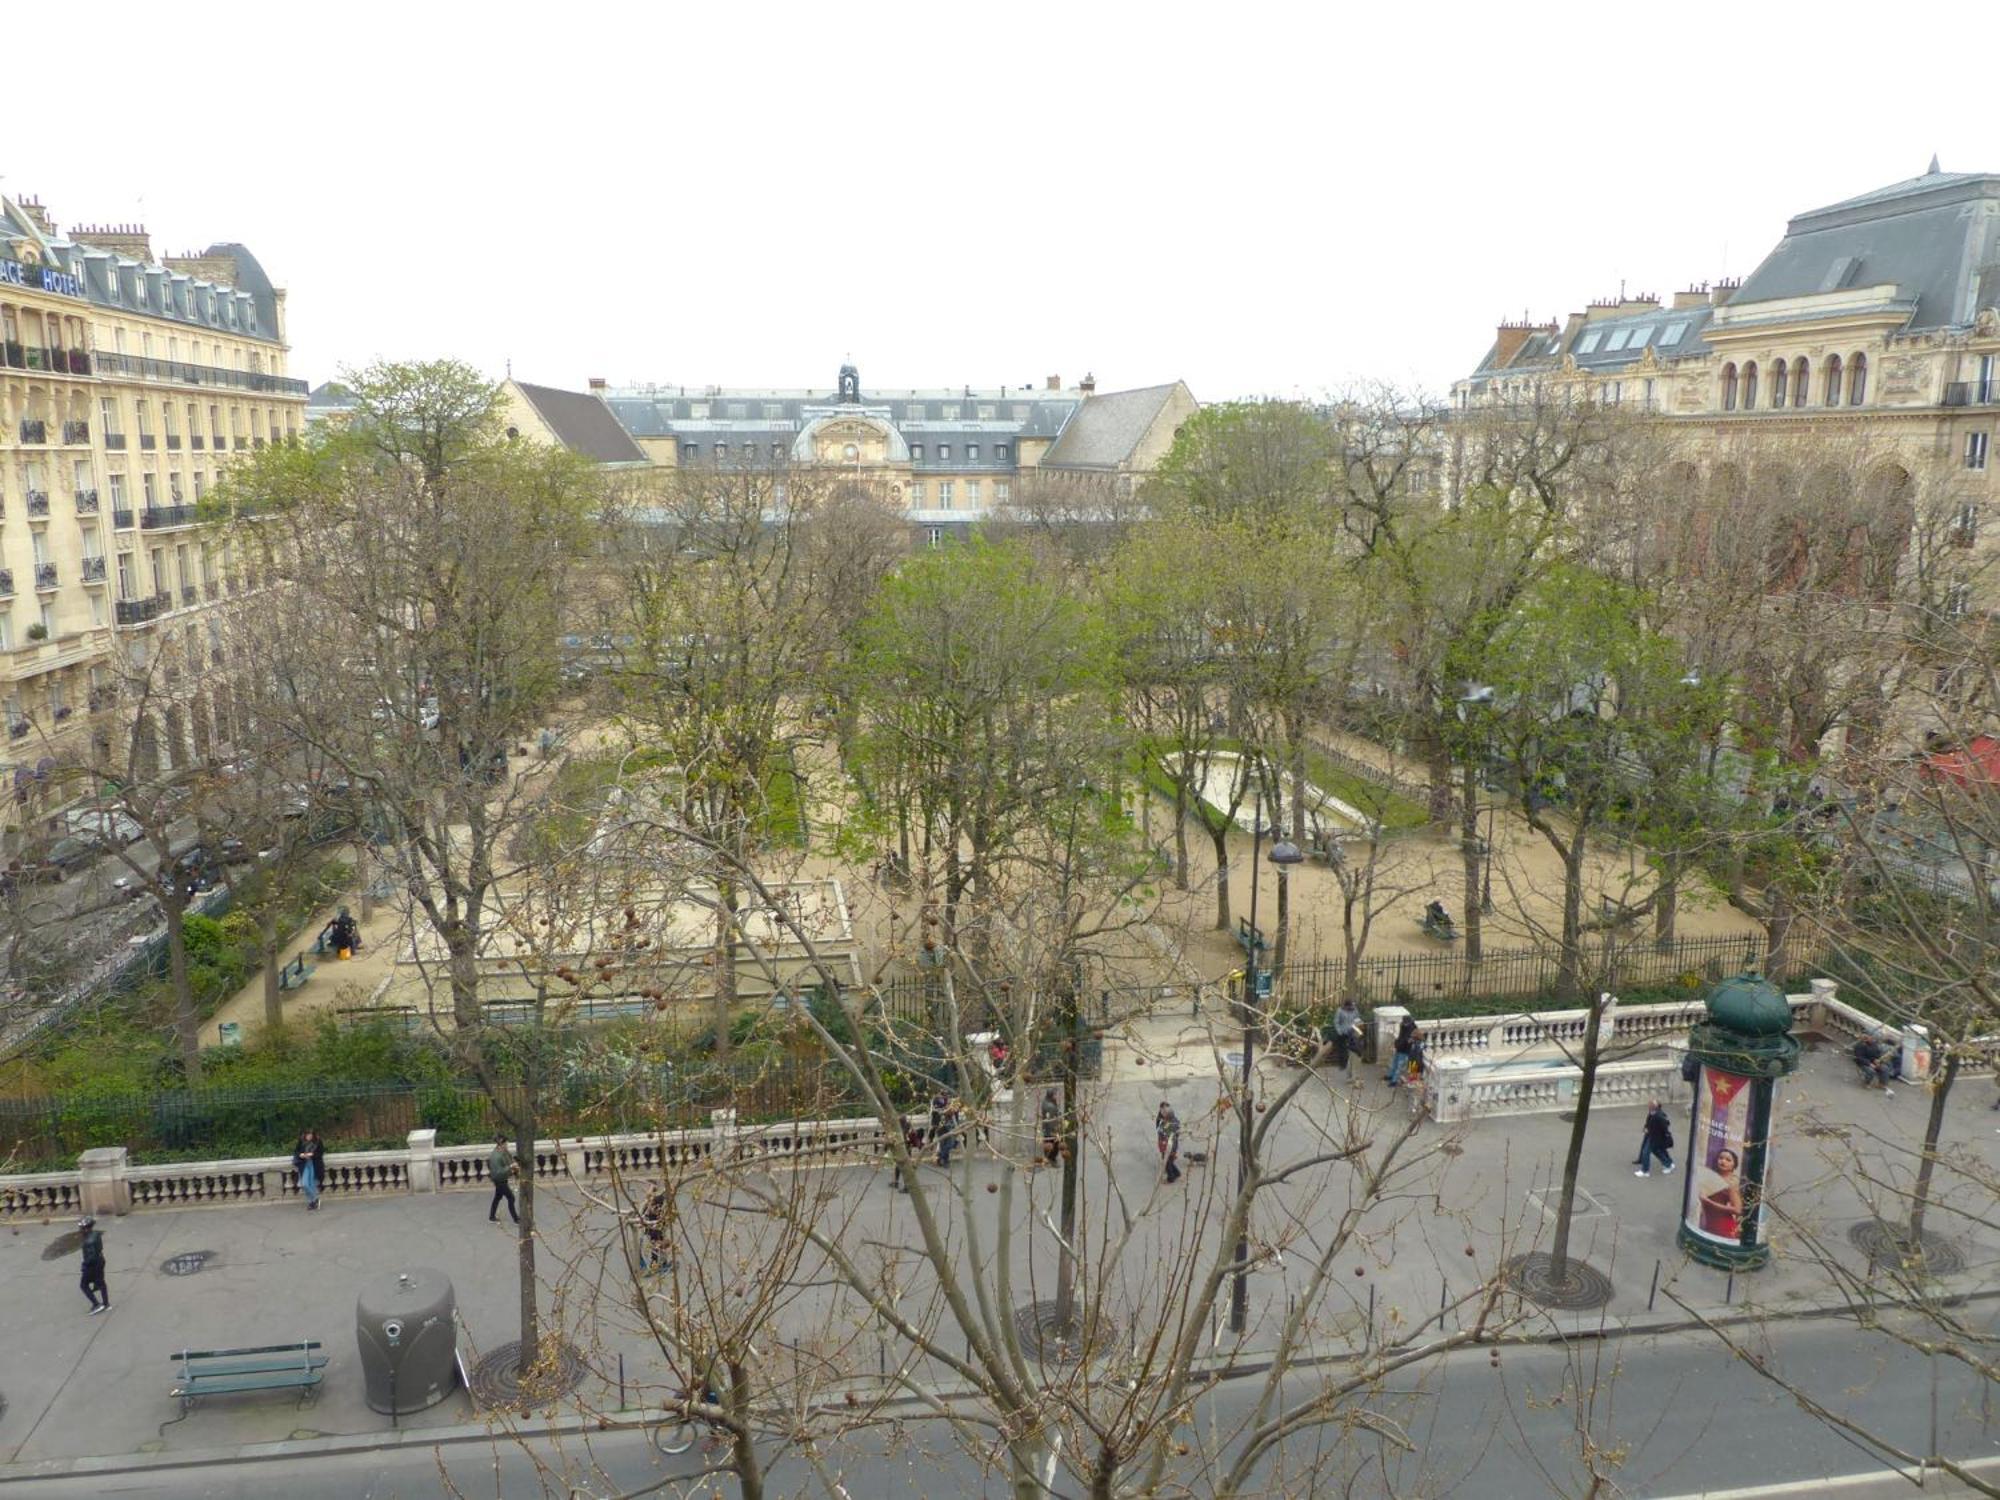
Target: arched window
(1801,380)
(1833,380)
(1857,380)
(1750,386)
(1778,371)
(1729,388)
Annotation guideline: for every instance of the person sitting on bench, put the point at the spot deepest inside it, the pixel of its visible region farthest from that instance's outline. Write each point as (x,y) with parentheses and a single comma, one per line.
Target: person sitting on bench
(1436,916)
(343,932)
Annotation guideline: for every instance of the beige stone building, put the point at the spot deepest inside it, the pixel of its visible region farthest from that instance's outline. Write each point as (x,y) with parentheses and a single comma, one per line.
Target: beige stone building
(1877,316)
(128,382)
(946,459)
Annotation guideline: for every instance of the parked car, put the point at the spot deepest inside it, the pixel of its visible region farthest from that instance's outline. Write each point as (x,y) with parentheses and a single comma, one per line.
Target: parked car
(109,826)
(72,853)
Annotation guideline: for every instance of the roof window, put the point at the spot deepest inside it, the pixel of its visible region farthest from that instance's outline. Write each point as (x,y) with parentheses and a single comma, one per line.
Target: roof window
(1671,334)
(1639,336)
(1589,343)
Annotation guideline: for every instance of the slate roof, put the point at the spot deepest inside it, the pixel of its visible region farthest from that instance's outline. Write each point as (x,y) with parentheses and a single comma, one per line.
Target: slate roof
(1931,237)
(583,423)
(1107,429)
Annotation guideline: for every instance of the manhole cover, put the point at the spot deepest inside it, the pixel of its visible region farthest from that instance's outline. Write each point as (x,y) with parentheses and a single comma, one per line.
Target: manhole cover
(66,1243)
(497,1379)
(1887,1244)
(1581,1288)
(1043,1335)
(187,1262)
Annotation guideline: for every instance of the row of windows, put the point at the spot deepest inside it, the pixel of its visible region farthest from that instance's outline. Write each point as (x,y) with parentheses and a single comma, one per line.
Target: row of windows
(1633,339)
(157,293)
(947,494)
(1792,384)
(1001,452)
(262,423)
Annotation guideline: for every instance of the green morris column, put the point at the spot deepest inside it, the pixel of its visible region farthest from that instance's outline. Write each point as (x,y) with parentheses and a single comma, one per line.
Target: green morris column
(1739,1053)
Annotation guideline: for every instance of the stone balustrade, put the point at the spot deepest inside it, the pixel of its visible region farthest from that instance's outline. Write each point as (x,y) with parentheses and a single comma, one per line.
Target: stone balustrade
(106,1182)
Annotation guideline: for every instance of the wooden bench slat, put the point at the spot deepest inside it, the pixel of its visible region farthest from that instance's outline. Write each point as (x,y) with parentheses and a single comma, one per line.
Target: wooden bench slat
(197,1371)
(292,1348)
(210,1385)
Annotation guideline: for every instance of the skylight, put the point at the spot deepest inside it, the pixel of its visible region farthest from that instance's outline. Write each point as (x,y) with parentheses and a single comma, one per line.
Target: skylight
(1589,343)
(1671,334)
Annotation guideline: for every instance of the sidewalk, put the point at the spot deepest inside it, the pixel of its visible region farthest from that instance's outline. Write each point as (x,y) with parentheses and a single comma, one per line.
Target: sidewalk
(77,1385)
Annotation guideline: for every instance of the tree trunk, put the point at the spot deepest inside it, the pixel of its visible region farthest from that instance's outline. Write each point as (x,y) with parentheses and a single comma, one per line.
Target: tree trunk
(187,1025)
(1777,933)
(1468,815)
(524,1153)
(725,965)
(1180,834)
(267,940)
(1298,770)
(1072,1160)
(1279,943)
(1920,1194)
(1221,841)
(1573,1158)
(1569,968)
(1667,901)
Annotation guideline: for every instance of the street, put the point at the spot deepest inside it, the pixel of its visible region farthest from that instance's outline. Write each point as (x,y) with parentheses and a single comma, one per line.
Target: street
(1667,1415)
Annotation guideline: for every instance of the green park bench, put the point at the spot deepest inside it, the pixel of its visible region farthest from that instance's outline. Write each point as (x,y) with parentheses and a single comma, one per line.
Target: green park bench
(271,1367)
(1249,939)
(294,974)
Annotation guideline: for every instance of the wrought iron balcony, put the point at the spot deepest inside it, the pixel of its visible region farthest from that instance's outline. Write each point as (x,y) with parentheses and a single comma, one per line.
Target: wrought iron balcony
(101,698)
(173,440)
(188,593)
(115,441)
(6,583)
(45,575)
(76,434)
(86,502)
(139,611)
(38,504)
(121,517)
(93,570)
(155,516)
(242,443)
(147,442)
(196,441)
(34,432)
(175,372)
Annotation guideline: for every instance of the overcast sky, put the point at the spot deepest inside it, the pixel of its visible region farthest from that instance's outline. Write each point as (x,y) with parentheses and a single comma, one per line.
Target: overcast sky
(1256,199)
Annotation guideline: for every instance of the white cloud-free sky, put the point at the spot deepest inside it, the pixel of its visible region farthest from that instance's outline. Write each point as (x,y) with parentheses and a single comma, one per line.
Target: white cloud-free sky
(1259,199)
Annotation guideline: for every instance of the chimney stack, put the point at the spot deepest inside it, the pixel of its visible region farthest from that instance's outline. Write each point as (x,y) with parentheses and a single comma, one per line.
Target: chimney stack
(1055,382)
(38,215)
(129,240)
(1724,290)
(220,269)
(1694,296)
(1088,385)
(1508,340)
(598,385)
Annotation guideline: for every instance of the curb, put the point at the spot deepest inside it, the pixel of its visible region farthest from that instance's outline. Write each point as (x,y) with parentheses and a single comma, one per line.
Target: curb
(1250,1366)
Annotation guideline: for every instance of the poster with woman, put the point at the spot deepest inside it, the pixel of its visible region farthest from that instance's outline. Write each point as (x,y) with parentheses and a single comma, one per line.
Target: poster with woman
(1714,1208)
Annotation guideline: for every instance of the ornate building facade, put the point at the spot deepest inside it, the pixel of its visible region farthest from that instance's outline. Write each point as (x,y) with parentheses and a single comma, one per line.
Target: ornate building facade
(945,459)
(128,382)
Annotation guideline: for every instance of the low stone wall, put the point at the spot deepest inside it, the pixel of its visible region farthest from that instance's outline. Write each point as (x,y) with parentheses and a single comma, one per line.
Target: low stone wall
(106,1183)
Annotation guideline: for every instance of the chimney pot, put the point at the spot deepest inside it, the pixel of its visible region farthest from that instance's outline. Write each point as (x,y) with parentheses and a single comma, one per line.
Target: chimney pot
(1055,382)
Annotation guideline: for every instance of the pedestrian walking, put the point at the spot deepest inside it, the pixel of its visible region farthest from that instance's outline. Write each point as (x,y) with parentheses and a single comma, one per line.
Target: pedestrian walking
(947,1132)
(1346,1034)
(309,1161)
(1656,1139)
(500,1171)
(1408,1037)
(1051,1116)
(92,1282)
(1167,1133)
(653,1257)
(940,1103)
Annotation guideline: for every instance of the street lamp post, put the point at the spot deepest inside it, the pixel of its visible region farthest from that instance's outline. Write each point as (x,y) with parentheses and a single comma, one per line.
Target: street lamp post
(1284,853)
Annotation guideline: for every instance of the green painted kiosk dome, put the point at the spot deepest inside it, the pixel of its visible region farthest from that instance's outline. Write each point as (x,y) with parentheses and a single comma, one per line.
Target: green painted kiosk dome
(1749,1005)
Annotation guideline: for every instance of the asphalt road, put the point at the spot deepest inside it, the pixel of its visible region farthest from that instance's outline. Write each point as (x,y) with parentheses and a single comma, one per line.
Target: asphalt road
(1671,1416)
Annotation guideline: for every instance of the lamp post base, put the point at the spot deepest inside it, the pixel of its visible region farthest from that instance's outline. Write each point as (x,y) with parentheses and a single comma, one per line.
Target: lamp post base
(1722,1257)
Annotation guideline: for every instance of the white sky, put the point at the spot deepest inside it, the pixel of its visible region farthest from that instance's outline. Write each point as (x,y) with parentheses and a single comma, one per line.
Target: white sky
(1258,199)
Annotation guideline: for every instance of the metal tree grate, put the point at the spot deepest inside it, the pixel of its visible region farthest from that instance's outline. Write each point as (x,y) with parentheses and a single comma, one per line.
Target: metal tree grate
(1534,1276)
(1043,1335)
(497,1379)
(187,1262)
(1888,1244)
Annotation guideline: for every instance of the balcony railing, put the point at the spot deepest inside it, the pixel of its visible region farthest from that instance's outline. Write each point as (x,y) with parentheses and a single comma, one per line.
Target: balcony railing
(34,432)
(156,516)
(219,443)
(76,434)
(242,443)
(173,440)
(196,441)
(147,442)
(38,504)
(45,575)
(211,589)
(121,517)
(177,373)
(139,611)
(115,441)
(6,583)
(100,698)
(188,594)
(42,357)
(86,502)
(93,570)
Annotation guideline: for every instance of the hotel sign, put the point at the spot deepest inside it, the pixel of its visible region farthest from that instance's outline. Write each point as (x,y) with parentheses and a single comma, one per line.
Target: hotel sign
(39,278)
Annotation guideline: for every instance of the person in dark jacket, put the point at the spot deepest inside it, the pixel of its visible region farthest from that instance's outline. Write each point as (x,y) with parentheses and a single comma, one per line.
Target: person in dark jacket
(1657,1139)
(1407,1037)
(500,1172)
(309,1160)
(1051,1119)
(92,1281)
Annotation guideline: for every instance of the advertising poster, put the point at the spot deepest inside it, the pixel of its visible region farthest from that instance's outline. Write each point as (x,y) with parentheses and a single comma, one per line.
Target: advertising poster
(1715,1172)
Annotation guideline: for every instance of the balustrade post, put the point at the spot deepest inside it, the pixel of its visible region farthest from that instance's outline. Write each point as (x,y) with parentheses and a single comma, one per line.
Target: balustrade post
(573,1157)
(1824,992)
(423,1170)
(105,1190)
(1607,1026)
(1452,1102)
(1388,1018)
(1496,1038)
